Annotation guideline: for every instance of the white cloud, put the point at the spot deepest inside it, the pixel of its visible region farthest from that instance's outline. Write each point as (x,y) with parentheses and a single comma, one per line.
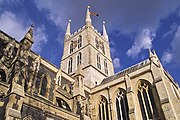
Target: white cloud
(174,53)
(40,39)
(15,28)
(166,58)
(143,40)
(173,29)
(116,63)
(175,46)
(141,14)
(12,25)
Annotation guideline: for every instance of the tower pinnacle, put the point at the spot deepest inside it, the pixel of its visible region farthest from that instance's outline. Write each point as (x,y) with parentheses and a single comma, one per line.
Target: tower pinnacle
(104,32)
(68,30)
(29,34)
(88,18)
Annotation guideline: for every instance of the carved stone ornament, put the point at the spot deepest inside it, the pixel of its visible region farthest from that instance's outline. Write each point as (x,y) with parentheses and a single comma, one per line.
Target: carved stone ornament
(9,54)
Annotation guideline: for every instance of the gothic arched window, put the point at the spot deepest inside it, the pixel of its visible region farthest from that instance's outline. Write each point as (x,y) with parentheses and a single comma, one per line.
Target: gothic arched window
(71,47)
(147,101)
(103,109)
(63,104)
(79,58)
(70,65)
(98,61)
(80,41)
(122,106)
(2,75)
(105,66)
(43,86)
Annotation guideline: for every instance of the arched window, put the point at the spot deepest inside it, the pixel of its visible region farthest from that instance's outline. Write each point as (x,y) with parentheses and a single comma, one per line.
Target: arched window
(97,42)
(80,41)
(63,104)
(147,102)
(105,67)
(103,109)
(79,59)
(70,65)
(2,75)
(71,47)
(43,86)
(122,106)
(98,61)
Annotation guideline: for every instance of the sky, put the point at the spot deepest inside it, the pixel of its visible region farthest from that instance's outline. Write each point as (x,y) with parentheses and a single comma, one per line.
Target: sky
(133,27)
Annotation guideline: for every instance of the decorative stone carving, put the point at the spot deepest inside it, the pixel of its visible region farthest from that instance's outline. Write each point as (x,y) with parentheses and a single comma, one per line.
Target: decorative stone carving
(36,64)
(9,54)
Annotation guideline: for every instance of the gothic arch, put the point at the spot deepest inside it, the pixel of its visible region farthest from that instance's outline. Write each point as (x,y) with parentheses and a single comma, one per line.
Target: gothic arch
(103,108)
(120,104)
(45,85)
(2,75)
(62,104)
(148,102)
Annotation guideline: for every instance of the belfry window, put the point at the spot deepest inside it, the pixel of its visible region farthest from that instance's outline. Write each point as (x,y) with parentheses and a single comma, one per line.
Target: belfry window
(103,109)
(105,66)
(122,106)
(43,86)
(71,47)
(80,41)
(98,61)
(70,65)
(147,102)
(79,58)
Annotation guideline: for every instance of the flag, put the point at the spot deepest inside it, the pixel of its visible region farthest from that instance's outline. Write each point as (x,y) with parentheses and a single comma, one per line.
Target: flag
(94,14)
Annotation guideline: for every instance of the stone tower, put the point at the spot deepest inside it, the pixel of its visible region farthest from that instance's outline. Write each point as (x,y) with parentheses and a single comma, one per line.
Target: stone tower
(90,49)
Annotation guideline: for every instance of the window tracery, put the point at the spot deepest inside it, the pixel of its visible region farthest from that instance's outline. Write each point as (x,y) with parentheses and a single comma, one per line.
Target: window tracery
(122,106)
(103,109)
(147,102)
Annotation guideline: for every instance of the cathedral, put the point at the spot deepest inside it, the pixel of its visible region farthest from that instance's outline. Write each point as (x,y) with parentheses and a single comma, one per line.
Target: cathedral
(85,87)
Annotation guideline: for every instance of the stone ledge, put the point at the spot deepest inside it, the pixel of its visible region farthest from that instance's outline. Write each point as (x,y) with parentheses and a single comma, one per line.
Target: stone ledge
(165,100)
(13,113)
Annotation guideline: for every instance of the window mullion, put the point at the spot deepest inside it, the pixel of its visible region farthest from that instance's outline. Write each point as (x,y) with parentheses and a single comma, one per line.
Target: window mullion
(144,104)
(105,114)
(120,110)
(101,111)
(149,102)
(124,104)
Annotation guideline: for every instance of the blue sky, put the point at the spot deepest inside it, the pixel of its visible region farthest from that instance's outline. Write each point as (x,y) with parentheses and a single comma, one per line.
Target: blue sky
(132,26)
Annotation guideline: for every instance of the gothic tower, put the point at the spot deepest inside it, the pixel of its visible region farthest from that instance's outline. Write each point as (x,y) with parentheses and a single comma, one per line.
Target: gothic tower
(88,48)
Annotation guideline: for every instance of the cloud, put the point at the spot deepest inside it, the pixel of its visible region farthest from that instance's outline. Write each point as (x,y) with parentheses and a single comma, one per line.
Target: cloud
(173,53)
(125,15)
(175,46)
(116,63)
(12,25)
(166,58)
(173,29)
(143,40)
(15,28)
(40,39)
